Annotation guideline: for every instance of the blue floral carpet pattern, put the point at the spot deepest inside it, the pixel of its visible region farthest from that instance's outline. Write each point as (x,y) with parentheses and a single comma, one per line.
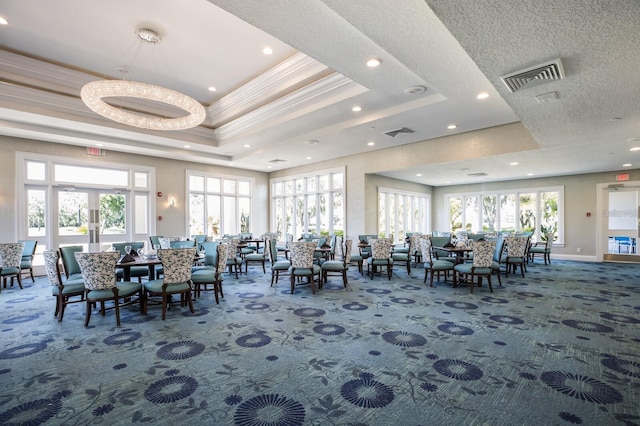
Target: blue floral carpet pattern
(557,347)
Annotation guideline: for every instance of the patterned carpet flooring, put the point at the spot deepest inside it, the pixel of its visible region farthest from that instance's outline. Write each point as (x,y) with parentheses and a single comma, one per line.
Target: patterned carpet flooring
(557,347)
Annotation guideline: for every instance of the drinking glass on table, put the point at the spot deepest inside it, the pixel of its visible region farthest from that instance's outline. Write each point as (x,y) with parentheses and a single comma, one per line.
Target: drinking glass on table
(127,249)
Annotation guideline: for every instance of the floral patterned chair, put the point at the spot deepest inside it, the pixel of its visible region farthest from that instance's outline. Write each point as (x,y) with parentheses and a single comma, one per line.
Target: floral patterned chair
(234,261)
(99,274)
(301,255)
(63,291)
(433,266)
(380,256)
(177,265)
(10,258)
(209,274)
(480,267)
(516,247)
(339,266)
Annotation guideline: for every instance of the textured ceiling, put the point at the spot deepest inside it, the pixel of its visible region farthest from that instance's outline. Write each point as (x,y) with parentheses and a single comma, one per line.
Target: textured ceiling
(306,89)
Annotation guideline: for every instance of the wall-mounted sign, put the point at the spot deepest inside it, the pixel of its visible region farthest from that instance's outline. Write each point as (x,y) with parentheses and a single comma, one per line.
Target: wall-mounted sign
(95,151)
(622,177)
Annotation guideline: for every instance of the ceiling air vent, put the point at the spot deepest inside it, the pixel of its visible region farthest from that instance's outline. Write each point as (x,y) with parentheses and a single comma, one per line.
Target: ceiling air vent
(394,133)
(277,160)
(480,174)
(534,76)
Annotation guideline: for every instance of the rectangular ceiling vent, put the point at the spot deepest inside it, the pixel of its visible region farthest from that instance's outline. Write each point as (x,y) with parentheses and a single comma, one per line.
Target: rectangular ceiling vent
(534,76)
(480,174)
(394,133)
(277,160)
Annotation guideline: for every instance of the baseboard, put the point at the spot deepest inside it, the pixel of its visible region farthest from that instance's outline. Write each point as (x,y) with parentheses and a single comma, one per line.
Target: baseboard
(576,257)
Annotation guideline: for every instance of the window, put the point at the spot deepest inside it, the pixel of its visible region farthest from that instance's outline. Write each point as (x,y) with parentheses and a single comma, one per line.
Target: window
(309,203)
(400,212)
(526,210)
(219,205)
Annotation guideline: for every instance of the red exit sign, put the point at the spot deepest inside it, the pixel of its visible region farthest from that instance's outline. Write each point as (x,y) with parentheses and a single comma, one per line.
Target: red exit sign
(95,151)
(622,177)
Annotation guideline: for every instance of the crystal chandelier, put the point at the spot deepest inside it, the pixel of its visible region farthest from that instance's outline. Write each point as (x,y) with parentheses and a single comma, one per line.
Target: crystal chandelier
(92,95)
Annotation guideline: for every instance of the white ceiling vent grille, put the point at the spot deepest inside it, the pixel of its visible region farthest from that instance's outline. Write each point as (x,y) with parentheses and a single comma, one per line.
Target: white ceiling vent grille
(534,76)
(479,174)
(394,133)
(277,160)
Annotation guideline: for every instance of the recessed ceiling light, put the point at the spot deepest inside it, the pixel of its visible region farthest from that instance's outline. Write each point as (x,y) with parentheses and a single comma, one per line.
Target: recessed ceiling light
(418,174)
(356,109)
(269,167)
(451,126)
(99,144)
(247,145)
(3,21)
(371,143)
(448,181)
(483,95)
(635,148)
(187,146)
(267,50)
(373,62)
(230,163)
(312,142)
(515,163)
(627,165)
(212,89)
(529,174)
(308,158)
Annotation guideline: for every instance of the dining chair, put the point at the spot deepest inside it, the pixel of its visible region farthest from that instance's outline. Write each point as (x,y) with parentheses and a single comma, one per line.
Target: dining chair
(543,248)
(516,247)
(69,263)
(234,260)
(211,273)
(380,256)
(277,266)
(403,254)
(63,291)
(338,266)
(254,256)
(433,266)
(99,275)
(177,265)
(10,258)
(480,266)
(497,258)
(29,251)
(134,271)
(301,255)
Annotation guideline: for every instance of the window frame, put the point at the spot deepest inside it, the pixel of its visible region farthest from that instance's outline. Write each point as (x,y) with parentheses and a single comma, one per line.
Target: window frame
(407,222)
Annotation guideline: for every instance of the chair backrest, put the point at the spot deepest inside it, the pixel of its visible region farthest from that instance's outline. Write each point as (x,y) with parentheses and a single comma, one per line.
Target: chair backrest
(271,245)
(334,241)
(69,263)
(301,253)
(177,264)
(516,246)
(52,265)
(381,247)
(29,249)
(497,253)
(11,255)
(98,269)
(414,243)
(211,252)
(221,263)
(199,239)
(232,252)
(346,255)
(425,248)
(338,247)
(164,243)
(483,253)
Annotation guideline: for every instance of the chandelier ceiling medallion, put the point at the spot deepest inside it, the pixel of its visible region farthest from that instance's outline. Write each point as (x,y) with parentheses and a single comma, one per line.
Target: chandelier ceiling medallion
(92,95)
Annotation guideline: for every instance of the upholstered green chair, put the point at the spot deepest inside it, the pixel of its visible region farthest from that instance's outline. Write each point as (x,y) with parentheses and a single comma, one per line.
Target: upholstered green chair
(199,239)
(10,258)
(176,279)
(211,273)
(496,264)
(516,253)
(29,251)
(365,247)
(301,255)
(433,266)
(282,246)
(155,241)
(98,273)
(254,257)
(63,291)
(480,267)
(182,244)
(380,256)
(340,266)
(135,271)
(69,263)
(542,248)
(277,266)
(441,254)
(404,254)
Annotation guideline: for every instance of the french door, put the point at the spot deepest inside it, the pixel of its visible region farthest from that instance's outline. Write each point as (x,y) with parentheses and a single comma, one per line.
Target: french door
(93,218)
(621,223)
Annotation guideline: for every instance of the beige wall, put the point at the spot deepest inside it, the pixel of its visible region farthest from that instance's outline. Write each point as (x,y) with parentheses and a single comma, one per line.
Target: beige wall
(170,180)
